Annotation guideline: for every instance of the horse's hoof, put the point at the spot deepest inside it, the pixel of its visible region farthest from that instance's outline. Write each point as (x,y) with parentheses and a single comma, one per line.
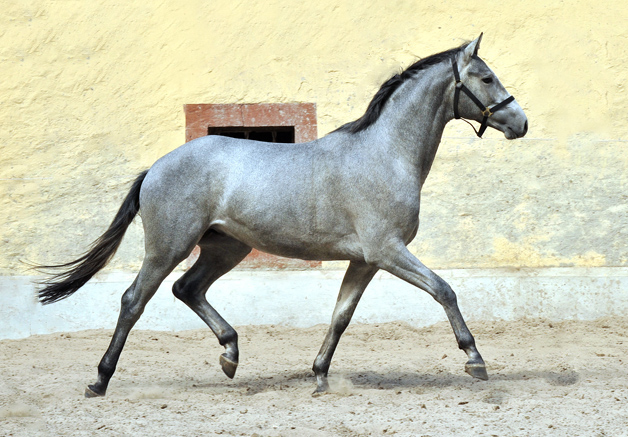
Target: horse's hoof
(322,387)
(319,392)
(90,393)
(228,366)
(477,371)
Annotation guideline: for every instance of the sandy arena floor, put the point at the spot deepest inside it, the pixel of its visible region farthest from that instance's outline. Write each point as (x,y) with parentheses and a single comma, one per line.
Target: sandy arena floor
(547,379)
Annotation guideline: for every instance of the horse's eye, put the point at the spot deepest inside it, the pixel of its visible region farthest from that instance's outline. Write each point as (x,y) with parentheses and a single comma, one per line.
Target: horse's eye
(487,80)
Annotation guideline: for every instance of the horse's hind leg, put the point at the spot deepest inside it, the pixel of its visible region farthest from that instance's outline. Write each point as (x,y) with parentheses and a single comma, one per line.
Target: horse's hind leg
(154,270)
(219,254)
(354,283)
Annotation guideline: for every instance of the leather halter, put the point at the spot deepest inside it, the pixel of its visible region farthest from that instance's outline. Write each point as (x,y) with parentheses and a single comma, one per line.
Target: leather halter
(486,111)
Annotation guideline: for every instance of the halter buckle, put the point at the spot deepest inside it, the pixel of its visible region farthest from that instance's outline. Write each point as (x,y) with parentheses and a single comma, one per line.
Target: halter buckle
(487,112)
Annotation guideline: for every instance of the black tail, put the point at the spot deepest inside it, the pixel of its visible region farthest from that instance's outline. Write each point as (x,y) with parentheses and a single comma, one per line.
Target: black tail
(78,272)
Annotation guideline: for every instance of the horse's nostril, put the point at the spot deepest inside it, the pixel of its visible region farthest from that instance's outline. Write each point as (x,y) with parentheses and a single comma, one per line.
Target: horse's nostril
(525,128)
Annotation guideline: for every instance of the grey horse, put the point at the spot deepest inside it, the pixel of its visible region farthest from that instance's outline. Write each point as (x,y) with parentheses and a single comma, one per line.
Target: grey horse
(352,195)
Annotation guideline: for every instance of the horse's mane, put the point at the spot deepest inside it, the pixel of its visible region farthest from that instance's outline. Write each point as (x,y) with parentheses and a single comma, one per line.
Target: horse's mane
(376,106)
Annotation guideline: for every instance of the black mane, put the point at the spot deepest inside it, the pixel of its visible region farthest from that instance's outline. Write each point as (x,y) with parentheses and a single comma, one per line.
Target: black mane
(390,86)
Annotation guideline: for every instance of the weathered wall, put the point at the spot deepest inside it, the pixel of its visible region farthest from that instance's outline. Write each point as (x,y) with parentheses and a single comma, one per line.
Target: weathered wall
(93,92)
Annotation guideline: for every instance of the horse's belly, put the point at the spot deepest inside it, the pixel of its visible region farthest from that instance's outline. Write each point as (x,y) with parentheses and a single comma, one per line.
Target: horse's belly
(294,243)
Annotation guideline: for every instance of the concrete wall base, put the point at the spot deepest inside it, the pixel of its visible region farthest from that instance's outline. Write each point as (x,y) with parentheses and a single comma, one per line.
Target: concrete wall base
(306,298)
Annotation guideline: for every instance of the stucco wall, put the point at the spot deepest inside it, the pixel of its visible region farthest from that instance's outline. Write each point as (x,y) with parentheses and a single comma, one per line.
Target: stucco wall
(91,93)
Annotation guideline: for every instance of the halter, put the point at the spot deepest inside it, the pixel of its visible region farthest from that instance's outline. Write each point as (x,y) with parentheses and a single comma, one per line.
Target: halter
(486,111)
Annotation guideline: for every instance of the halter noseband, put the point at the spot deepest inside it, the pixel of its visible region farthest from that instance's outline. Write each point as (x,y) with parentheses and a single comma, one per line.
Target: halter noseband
(486,111)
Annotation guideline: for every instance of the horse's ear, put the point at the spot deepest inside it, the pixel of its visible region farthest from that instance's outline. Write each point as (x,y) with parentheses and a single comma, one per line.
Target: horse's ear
(473,47)
(477,44)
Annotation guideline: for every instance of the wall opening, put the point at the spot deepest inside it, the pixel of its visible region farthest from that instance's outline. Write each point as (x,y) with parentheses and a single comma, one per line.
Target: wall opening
(270,134)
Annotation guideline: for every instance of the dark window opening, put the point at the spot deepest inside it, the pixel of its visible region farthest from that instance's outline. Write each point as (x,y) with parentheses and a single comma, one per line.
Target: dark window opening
(270,134)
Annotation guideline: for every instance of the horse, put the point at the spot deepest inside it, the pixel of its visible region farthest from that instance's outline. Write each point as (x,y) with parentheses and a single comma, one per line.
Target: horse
(352,195)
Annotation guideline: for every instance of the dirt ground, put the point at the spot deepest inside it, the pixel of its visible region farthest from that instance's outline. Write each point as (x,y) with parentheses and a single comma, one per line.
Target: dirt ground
(546,379)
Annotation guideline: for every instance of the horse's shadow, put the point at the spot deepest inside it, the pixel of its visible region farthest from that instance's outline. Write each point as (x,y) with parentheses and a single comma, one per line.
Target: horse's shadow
(408,380)
(396,380)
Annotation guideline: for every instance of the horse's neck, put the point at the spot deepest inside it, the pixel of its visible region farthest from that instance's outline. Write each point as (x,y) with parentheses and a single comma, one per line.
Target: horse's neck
(416,115)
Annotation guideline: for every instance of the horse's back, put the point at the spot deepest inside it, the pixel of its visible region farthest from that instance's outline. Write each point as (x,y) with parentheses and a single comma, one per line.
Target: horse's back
(227,164)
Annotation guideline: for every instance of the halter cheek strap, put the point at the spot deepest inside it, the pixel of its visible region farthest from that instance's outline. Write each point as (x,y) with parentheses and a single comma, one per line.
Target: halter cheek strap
(486,111)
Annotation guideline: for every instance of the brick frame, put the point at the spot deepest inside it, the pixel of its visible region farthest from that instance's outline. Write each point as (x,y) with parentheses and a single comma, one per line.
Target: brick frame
(302,116)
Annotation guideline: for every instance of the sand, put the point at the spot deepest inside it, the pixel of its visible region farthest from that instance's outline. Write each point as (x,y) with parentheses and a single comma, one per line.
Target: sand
(546,379)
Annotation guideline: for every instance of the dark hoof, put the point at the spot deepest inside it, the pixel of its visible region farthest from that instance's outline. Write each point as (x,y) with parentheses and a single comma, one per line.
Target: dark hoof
(477,371)
(91,393)
(228,366)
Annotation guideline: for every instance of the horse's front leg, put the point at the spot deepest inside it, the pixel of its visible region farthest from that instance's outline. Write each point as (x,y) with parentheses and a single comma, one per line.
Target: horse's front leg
(398,260)
(355,281)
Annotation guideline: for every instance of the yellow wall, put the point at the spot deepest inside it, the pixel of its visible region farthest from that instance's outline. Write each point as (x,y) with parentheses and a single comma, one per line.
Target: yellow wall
(92,92)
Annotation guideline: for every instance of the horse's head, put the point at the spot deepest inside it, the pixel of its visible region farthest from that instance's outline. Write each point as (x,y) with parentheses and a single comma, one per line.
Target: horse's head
(480,96)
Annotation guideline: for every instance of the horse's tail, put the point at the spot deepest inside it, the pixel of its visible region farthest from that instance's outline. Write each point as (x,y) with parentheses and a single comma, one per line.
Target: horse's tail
(76,273)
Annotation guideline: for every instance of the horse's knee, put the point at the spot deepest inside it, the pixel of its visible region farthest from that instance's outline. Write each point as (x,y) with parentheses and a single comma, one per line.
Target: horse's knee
(341,321)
